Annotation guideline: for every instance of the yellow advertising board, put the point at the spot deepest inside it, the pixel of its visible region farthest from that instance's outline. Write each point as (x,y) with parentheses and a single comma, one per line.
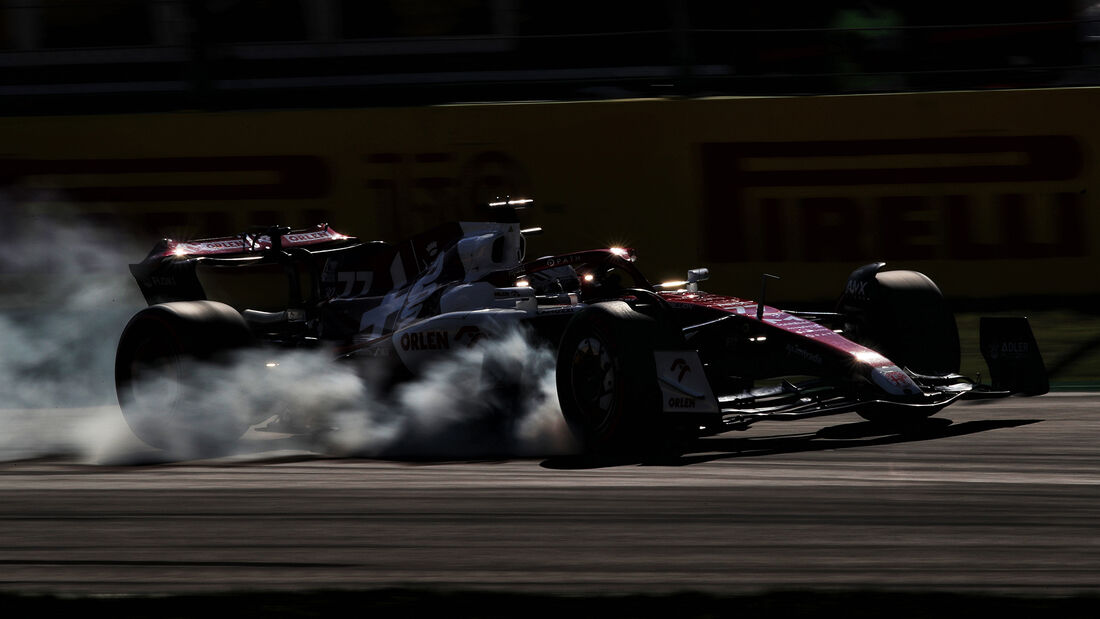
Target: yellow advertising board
(988,192)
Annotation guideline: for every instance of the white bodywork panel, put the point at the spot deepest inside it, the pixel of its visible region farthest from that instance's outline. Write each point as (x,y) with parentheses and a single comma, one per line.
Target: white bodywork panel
(684,386)
(402,306)
(424,341)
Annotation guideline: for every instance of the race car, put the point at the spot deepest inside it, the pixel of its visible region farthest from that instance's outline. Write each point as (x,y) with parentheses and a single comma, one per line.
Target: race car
(636,362)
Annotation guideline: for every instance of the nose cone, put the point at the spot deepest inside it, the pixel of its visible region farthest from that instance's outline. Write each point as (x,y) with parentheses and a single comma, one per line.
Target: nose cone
(892,380)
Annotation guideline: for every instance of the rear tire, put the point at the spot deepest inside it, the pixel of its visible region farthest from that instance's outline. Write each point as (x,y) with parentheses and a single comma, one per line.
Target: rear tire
(607,380)
(160,354)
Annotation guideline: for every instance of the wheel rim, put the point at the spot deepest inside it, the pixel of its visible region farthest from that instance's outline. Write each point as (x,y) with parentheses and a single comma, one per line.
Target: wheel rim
(593,378)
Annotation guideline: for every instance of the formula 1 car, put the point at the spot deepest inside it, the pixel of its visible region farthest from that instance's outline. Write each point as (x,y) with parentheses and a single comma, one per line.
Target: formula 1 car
(635,360)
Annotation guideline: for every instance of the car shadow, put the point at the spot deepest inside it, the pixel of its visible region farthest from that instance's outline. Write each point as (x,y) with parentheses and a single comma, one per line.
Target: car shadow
(843,436)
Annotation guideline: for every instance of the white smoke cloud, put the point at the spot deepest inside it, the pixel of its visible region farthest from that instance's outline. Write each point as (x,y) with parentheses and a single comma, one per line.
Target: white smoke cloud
(457,408)
(496,399)
(64,298)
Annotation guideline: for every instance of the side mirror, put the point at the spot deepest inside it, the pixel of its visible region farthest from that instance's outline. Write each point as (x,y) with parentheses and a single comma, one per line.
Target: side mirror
(695,276)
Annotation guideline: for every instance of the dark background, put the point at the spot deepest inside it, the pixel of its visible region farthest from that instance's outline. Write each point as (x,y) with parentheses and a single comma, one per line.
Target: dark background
(76,56)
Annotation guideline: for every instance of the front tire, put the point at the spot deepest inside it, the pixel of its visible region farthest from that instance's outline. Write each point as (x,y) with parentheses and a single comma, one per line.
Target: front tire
(162,356)
(910,323)
(607,380)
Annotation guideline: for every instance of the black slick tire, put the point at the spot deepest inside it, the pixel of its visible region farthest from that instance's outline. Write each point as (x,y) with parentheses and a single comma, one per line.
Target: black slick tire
(912,325)
(607,381)
(160,351)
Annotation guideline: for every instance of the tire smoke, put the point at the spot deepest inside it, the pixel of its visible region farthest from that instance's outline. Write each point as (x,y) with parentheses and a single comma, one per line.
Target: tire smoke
(497,399)
(65,295)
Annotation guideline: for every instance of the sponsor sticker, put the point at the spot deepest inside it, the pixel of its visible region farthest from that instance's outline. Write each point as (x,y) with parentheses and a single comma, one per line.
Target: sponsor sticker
(425,340)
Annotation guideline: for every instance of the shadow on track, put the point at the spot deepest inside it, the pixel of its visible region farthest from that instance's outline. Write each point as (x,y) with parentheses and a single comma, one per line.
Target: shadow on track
(683,453)
(844,436)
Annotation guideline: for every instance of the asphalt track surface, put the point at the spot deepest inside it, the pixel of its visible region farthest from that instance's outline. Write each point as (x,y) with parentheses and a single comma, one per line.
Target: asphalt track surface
(1000,498)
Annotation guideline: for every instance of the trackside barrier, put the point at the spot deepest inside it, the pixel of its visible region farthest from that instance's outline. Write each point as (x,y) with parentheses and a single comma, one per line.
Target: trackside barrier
(991,193)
